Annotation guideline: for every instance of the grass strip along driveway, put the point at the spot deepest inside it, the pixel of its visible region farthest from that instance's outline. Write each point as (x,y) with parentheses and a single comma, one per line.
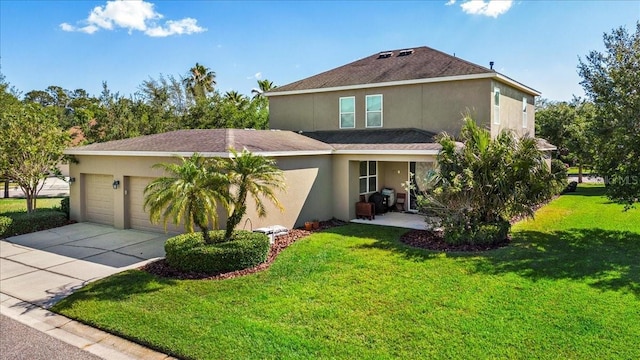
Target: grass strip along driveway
(568,287)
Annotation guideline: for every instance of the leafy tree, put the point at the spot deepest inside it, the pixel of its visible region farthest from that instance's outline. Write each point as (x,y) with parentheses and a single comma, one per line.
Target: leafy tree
(611,80)
(569,127)
(31,145)
(479,186)
(190,193)
(253,175)
(200,81)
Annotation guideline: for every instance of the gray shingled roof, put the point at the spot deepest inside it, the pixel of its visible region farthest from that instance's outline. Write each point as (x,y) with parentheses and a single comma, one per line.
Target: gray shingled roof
(377,139)
(423,63)
(210,141)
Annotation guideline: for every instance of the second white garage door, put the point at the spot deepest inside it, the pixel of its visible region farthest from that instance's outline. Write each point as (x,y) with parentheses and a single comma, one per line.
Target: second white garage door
(138,218)
(98,197)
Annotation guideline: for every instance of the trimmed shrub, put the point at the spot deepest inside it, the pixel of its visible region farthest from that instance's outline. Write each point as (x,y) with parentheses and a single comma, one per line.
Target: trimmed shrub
(24,223)
(5,223)
(65,206)
(559,173)
(478,234)
(188,252)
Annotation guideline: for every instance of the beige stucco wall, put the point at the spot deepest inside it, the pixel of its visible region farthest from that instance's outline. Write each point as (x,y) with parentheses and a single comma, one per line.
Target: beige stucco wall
(346,171)
(511,110)
(307,195)
(118,166)
(433,106)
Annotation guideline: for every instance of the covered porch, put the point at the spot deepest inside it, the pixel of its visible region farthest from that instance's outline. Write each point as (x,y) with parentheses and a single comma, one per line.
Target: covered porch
(397,219)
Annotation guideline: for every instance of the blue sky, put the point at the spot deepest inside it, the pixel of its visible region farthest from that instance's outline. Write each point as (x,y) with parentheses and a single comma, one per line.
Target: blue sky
(79,44)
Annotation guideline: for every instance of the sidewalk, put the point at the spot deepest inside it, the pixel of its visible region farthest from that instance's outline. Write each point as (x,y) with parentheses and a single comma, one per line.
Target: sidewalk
(53,187)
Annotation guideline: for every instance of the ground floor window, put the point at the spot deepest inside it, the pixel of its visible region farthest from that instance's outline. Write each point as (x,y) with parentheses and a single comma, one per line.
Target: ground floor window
(368,177)
(419,173)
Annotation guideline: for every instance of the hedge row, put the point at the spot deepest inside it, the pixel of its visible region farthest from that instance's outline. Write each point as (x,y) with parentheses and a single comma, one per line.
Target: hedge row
(188,252)
(18,223)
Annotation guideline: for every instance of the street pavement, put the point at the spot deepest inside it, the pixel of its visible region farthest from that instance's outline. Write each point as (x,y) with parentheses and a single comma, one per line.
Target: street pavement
(19,341)
(53,187)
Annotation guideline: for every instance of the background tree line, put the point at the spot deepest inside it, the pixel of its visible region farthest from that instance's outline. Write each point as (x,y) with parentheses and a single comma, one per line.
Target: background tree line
(159,105)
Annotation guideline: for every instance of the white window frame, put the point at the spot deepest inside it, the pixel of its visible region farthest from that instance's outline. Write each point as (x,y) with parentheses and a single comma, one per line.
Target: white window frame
(340,112)
(525,116)
(366,117)
(367,177)
(496,108)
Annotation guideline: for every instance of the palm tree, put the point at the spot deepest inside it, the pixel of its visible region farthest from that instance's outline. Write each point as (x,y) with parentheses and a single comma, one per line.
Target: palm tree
(236,98)
(191,194)
(253,175)
(200,81)
(263,86)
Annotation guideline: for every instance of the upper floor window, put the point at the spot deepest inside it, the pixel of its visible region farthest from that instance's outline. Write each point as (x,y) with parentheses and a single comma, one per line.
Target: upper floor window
(525,120)
(374,111)
(496,106)
(347,112)
(368,177)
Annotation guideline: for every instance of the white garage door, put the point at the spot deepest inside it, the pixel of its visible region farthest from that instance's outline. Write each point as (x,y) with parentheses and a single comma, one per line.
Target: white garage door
(98,191)
(138,218)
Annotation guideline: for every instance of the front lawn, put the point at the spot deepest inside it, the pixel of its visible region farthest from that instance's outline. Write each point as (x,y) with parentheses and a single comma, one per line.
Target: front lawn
(15,204)
(568,287)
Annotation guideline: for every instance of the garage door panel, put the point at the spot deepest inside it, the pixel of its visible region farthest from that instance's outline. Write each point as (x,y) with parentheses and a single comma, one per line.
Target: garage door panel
(98,198)
(138,218)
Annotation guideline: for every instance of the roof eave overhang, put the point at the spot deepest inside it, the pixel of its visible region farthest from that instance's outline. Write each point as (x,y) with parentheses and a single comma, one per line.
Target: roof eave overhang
(385,152)
(492,75)
(189,153)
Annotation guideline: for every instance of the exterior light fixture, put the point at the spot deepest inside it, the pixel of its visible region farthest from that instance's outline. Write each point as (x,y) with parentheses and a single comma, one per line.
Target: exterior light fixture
(116,183)
(72,180)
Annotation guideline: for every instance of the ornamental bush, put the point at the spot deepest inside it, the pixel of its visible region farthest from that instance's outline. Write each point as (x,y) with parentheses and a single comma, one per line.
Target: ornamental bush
(19,223)
(188,252)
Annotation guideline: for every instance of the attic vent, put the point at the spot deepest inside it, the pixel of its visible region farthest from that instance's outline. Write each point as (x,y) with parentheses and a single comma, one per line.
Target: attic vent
(384,55)
(405,52)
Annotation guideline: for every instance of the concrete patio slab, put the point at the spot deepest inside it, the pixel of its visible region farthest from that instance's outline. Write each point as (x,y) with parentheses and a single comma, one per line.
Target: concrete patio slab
(9,249)
(114,259)
(76,252)
(84,270)
(42,288)
(150,249)
(397,219)
(11,269)
(114,240)
(40,259)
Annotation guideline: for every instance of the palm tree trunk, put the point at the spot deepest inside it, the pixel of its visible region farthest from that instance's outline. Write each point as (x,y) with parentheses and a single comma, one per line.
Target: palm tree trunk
(205,234)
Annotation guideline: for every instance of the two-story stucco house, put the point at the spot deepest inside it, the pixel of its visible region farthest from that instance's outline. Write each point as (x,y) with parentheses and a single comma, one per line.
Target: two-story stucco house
(346,132)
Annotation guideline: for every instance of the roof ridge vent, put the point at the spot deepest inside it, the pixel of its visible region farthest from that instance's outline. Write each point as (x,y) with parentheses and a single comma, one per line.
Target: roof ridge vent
(405,52)
(385,54)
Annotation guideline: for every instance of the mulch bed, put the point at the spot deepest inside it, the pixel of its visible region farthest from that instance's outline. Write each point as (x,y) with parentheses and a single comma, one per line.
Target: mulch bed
(432,240)
(162,269)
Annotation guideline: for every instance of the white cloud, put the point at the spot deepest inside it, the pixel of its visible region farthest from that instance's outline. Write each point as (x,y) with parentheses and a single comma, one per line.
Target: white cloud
(493,8)
(258,75)
(137,15)
(450,2)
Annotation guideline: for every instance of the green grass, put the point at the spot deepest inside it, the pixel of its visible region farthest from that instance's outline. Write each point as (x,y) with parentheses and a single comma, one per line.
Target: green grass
(568,287)
(16,205)
(573,170)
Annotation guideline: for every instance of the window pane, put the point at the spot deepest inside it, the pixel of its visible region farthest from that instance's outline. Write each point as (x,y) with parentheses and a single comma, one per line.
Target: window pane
(496,97)
(363,168)
(372,184)
(347,120)
(374,119)
(374,103)
(372,167)
(347,105)
(363,185)
(524,104)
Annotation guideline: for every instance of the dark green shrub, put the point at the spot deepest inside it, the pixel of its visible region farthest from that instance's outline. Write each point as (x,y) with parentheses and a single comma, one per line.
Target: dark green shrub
(5,223)
(65,206)
(188,252)
(559,173)
(477,234)
(24,223)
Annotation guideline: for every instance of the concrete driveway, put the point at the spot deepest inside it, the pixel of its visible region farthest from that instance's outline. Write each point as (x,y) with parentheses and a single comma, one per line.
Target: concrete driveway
(43,267)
